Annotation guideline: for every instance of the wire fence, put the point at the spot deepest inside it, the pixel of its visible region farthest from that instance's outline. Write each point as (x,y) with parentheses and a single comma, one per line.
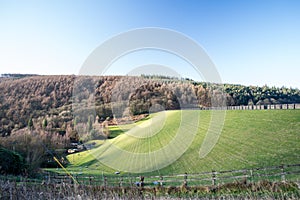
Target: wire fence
(272,173)
(291,106)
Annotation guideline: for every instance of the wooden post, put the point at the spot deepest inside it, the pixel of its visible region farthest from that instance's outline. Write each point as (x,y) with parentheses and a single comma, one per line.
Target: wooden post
(185,179)
(131,184)
(251,176)
(142,181)
(245,177)
(161,180)
(105,181)
(90,178)
(213,178)
(282,173)
(121,181)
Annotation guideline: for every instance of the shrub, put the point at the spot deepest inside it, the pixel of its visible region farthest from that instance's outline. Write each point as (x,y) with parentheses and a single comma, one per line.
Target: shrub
(11,162)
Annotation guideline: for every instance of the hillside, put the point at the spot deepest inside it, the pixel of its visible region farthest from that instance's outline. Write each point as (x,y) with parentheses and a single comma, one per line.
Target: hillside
(249,139)
(59,99)
(42,116)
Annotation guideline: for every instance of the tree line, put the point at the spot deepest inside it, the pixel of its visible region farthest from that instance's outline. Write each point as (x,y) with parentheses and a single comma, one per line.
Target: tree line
(60,98)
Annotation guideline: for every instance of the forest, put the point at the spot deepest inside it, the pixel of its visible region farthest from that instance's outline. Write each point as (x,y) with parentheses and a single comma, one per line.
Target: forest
(59,98)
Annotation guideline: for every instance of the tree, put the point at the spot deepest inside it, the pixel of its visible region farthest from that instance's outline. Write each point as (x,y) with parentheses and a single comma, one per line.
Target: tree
(105,127)
(45,123)
(90,123)
(11,162)
(30,123)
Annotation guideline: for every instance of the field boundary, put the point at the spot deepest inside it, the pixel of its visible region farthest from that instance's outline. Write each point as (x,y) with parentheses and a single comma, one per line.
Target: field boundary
(282,173)
(291,106)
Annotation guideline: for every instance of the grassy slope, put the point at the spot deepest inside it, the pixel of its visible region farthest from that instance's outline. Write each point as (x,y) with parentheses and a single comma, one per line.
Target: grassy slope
(249,139)
(252,138)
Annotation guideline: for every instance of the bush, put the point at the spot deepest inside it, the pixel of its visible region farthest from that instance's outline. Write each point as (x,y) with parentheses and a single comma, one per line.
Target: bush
(11,162)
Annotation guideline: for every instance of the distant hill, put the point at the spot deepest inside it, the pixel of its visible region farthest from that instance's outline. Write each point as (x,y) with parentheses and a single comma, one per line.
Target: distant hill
(59,98)
(17,75)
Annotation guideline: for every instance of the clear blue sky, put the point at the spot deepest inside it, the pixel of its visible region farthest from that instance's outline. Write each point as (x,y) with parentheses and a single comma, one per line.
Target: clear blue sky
(250,42)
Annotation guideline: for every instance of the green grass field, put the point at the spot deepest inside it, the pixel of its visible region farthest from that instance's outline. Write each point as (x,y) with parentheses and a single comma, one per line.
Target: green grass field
(250,138)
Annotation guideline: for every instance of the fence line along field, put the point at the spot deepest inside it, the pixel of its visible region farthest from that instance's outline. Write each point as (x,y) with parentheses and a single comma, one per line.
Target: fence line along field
(249,139)
(282,173)
(273,182)
(259,107)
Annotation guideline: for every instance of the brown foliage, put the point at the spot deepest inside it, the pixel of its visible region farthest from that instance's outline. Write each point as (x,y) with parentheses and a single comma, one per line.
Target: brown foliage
(60,98)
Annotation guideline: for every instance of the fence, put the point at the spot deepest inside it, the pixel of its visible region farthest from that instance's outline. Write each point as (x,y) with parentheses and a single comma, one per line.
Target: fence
(272,173)
(258,107)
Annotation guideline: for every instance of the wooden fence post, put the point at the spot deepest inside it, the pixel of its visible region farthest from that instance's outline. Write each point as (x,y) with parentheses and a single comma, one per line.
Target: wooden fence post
(131,184)
(185,179)
(245,179)
(90,180)
(251,176)
(213,177)
(105,181)
(121,181)
(282,173)
(161,180)
(142,181)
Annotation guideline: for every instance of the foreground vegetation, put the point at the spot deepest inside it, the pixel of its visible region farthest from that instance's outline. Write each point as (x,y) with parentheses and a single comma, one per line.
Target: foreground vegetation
(237,190)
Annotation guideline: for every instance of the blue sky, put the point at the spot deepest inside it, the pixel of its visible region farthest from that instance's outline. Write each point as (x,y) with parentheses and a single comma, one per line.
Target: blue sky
(250,42)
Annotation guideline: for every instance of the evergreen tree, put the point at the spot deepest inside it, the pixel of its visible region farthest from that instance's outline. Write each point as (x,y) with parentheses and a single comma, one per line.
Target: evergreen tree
(30,123)
(45,123)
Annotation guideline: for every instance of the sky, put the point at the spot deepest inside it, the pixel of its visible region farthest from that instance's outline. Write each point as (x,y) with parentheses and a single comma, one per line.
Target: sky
(250,42)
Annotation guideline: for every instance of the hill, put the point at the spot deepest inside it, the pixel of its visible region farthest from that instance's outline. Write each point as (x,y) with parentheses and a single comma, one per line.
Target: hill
(43,116)
(60,98)
(250,138)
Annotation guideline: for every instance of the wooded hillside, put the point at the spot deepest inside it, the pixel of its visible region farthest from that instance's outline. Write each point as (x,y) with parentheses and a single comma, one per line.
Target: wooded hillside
(59,98)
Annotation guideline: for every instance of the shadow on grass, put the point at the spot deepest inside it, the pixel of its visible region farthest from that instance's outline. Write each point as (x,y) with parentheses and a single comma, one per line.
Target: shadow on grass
(115,133)
(89,163)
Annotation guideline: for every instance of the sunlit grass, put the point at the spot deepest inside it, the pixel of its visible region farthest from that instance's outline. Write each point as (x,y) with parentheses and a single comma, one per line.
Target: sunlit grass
(250,138)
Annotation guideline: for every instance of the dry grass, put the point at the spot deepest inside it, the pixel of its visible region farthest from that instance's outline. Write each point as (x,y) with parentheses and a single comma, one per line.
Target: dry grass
(238,190)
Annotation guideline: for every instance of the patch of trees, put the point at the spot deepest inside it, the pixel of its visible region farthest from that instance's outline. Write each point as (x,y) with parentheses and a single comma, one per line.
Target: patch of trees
(254,95)
(32,97)
(37,147)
